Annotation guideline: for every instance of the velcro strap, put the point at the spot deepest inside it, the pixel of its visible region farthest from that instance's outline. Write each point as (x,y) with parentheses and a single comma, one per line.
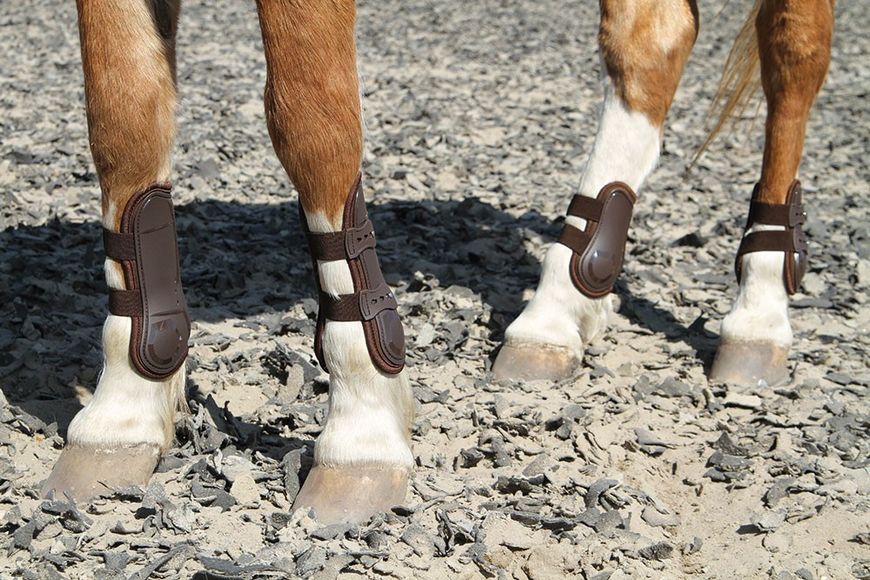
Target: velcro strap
(788,215)
(373,302)
(125,302)
(574,238)
(791,240)
(343,245)
(120,247)
(779,241)
(362,305)
(344,308)
(588,208)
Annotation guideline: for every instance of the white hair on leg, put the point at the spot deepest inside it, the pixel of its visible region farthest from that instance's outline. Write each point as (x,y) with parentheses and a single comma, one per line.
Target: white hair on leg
(626,146)
(558,314)
(127,408)
(370,412)
(760,312)
(626,149)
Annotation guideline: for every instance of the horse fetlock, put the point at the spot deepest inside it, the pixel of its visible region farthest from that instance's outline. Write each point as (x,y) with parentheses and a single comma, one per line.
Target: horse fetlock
(547,338)
(370,412)
(117,438)
(362,458)
(127,408)
(756,334)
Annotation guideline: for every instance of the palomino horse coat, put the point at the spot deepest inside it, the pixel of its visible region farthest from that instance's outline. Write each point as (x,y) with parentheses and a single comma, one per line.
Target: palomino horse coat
(363,457)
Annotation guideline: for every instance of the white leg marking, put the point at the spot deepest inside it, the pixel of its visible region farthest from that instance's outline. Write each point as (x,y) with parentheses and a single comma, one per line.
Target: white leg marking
(626,149)
(126,408)
(626,146)
(760,313)
(558,314)
(370,413)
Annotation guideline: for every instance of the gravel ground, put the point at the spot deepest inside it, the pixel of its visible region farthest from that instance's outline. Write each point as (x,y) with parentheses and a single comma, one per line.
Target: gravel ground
(479,118)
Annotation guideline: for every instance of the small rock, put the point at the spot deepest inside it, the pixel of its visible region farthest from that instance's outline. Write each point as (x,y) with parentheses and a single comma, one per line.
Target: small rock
(245,490)
(330,532)
(596,489)
(657,519)
(422,543)
(311,561)
(694,546)
(744,401)
(608,522)
(768,521)
(507,532)
(543,564)
(657,551)
(236,466)
(291,464)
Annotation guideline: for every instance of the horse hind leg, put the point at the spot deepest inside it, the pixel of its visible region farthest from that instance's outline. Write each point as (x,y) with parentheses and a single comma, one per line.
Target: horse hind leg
(794,41)
(362,458)
(644,45)
(117,438)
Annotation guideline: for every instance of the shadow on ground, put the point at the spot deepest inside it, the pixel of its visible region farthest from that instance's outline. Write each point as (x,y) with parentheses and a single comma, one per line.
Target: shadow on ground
(243,260)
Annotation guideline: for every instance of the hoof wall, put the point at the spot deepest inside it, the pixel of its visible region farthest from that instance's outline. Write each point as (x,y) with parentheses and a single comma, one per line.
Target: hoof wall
(533,362)
(750,363)
(351,494)
(86,472)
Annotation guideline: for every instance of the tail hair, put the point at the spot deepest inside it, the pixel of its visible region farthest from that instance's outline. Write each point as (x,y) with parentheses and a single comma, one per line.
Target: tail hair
(741,79)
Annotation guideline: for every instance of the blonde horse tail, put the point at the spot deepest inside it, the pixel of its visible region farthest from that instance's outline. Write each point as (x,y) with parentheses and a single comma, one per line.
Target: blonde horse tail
(740,80)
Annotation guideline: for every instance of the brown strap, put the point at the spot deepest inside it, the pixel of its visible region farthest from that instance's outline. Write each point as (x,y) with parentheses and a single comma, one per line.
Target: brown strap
(345,308)
(120,247)
(775,241)
(125,302)
(362,305)
(787,215)
(588,208)
(574,238)
(790,240)
(343,245)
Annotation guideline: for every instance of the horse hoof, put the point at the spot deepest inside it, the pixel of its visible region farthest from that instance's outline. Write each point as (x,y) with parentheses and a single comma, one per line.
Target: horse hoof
(531,362)
(750,364)
(351,494)
(84,472)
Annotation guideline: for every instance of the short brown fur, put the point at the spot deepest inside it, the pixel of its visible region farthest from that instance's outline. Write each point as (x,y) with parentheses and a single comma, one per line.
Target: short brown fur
(794,41)
(130,97)
(645,45)
(312,98)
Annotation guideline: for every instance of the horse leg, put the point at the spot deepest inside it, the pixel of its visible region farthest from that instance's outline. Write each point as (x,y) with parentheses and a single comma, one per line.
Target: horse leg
(363,457)
(644,45)
(127,48)
(794,41)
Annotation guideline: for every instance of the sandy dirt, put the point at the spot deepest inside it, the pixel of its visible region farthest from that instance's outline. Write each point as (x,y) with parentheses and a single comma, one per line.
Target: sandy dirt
(479,118)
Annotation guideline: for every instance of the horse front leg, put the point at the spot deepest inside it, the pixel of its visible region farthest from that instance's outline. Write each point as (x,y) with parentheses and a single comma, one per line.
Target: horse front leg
(362,457)
(117,438)
(794,41)
(644,45)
